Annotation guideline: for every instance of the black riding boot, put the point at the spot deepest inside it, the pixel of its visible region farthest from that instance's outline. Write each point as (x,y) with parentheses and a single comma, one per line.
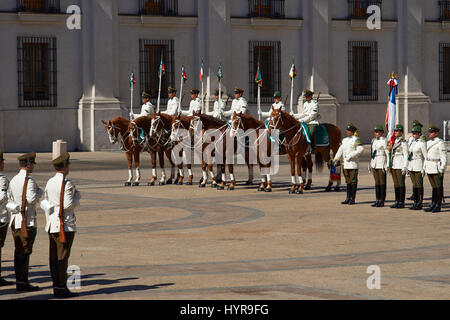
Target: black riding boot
(377,195)
(22,283)
(439,197)
(415,198)
(61,291)
(420,201)
(401,199)
(397,197)
(349,192)
(433,201)
(354,187)
(382,196)
(54,272)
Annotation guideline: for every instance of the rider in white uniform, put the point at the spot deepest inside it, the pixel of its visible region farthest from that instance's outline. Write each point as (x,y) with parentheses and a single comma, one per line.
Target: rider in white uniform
(277,105)
(195,105)
(172,103)
(219,108)
(147,109)
(309,115)
(238,105)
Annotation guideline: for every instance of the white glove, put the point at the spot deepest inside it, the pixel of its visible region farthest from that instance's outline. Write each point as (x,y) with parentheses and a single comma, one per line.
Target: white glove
(441,169)
(404,171)
(131,115)
(259,112)
(423,173)
(369,168)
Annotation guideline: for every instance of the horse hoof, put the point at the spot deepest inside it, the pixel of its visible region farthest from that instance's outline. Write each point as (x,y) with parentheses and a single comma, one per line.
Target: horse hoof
(188,183)
(299,191)
(307,187)
(162,183)
(201,186)
(291,191)
(169,181)
(127,184)
(261,189)
(220,188)
(337,189)
(135,184)
(248,183)
(201,180)
(327,189)
(150,184)
(268,190)
(230,188)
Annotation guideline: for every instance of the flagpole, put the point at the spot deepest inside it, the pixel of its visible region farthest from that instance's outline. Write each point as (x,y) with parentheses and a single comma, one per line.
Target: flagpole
(160,80)
(181,91)
(132,87)
(259,102)
(201,80)
(292,96)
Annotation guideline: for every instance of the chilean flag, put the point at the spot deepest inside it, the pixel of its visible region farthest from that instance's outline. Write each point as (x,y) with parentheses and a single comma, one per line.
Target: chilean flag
(201,72)
(391,109)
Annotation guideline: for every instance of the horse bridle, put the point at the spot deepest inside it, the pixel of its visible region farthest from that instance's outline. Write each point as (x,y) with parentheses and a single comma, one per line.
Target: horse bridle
(113,137)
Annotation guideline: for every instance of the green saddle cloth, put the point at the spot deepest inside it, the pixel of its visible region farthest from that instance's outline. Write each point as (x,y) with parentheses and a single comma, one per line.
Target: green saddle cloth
(320,133)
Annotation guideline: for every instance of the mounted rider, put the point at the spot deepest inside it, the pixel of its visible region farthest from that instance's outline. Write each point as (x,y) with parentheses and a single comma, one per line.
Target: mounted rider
(238,105)
(219,107)
(277,105)
(195,105)
(172,103)
(147,109)
(309,116)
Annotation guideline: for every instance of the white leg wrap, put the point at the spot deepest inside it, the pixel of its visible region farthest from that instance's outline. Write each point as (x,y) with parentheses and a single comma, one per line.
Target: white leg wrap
(181,172)
(138,174)
(223,177)
(300,180)
(190,172)
(269,178)
(263,179)
(130,175)
(154,172)
(211,174)
(293,180)
(231,177)
(205,177)
(163,173)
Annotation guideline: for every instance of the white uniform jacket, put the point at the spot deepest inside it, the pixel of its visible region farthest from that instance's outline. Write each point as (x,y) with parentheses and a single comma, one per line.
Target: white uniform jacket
(194,107)
(309,113)
(379,153)
(172,107)
(276,106)
(51,204)
(436,158)
(34,194)
(147,110)
(4,214)
(218,110)
(417,154)
(350,150)
(238,105)
(400,154)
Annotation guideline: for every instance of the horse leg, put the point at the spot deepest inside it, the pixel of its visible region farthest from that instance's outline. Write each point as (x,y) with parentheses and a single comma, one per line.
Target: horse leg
(263,184)
(212,175)
(221,185)
(129,156)
(154,174)
(162,181)
(293,175)
(136,153)
(307,165)
(232,179)
(191,176)
(204,179)
(300,178)
(168,154)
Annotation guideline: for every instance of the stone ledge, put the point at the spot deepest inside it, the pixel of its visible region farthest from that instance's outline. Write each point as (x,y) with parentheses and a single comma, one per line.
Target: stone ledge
(266,23)
(158,21)
(361,25)
(33,18)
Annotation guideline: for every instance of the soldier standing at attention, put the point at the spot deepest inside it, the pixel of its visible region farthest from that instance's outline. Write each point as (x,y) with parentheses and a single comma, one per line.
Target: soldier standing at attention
(238,105)
(350,150)
(4,215)
(59,252)
(399,166)
(195,105)
(434,166)
(379,154)
(415,123)
(417,154)
(147,109)
(172,103)
(218,108)
(24,244)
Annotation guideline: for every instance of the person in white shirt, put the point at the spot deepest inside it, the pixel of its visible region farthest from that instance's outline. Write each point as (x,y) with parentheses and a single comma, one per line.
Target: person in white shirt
(172,103)
(417,154)
(147,109)
(350,150)
(435,164)
(59,252)
(379,154)
(4,215)
(218,109)
(23,243)
(238,105)
(195,106)
(277,105)
(399,166)
(415,123)
(309,116)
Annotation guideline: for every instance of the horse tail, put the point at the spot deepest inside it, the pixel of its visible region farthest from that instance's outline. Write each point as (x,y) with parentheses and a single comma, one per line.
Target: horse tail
(318,159)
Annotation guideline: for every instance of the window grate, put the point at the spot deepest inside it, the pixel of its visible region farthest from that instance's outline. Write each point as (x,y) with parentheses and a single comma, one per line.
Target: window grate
(268,53)
(266,8)
(36,64)
(358,8)
(149,62)
(444,6)
(444,71)
(159,7)
(39,6)
(363,70)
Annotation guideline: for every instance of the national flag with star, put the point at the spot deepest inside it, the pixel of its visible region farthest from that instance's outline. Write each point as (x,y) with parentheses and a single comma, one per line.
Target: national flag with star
(293,72)
(201,72)
(132,80)
(162,69)
(258,78)
(183,74)
(391,109)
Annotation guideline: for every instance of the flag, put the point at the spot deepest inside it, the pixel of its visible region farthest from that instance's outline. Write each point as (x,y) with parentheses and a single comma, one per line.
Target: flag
(258,78)
(132,80)
(220,74)
(201,72)
(183,74)
(391,109)
(293,72)
(162,69)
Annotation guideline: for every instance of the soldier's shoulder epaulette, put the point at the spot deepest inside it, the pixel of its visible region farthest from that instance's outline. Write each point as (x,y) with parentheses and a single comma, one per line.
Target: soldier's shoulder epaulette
(358,142)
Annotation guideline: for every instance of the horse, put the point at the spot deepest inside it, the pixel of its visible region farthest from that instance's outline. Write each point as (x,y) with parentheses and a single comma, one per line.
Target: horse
(213,126)
(297,146)
(161,126)
(183,122)
(117,129)
(139,129)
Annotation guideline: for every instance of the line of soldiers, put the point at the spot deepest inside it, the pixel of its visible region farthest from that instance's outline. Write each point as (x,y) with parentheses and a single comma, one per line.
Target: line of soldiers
(18,201)
(415,157)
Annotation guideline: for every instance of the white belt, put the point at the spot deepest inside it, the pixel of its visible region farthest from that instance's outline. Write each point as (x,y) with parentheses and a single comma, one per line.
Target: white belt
(380,155)
(434,160)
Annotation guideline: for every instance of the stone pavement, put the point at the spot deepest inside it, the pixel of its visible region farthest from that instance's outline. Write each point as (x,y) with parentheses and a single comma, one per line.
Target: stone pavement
(182,242)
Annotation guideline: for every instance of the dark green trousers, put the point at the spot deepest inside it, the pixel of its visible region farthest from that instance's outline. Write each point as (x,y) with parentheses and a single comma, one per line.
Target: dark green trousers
(59,254)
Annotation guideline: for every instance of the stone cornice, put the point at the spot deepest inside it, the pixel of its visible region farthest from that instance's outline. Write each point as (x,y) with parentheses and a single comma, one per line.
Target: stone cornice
(361,25)
(158,21)
(33,18)
(266,23)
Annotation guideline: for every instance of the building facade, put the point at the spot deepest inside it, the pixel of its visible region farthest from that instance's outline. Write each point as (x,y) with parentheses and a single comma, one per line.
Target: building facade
(59,82)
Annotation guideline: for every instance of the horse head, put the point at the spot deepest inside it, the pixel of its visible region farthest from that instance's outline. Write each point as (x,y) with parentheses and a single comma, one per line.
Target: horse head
(156,125)
(236,124)
(195,124)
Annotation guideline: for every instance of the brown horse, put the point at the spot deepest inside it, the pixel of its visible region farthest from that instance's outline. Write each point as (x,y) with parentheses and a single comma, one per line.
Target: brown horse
(139,128)
(213,128)
(297,146)
(117,130)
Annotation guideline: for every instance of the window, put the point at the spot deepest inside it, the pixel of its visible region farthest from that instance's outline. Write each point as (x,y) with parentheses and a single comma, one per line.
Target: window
(358,8)
(445,9)
(267,54)
(266,8)
(159,7)
(43,6)
(444,71)
(150,60)
(363,70)
(36,71)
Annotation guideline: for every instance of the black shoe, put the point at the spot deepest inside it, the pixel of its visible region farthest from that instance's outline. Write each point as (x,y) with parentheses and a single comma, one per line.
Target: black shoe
(63,293)
(169,181)
(401,205)
(26,287)
(433,201)
(5,283)
(349,194)
(436,208)
(377,196)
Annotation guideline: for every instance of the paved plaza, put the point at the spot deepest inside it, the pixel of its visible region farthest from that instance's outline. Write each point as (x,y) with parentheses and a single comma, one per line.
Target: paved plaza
(183,242)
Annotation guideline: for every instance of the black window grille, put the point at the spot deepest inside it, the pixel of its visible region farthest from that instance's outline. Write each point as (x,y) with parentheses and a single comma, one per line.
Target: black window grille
(444,5)
(358,8)
(444,71)
(36,63)
(363,70)
(268,55)
(266,8)
(150,60)
(159,7)
(39,6)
